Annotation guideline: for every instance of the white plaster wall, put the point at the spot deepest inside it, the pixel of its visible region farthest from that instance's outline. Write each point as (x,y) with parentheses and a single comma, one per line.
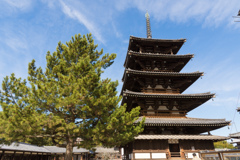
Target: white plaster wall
(142,155)
(158,155)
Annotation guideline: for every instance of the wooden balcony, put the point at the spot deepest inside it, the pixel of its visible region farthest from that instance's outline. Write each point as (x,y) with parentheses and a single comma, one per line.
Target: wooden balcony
(163,113)
(162,91)
(175,154)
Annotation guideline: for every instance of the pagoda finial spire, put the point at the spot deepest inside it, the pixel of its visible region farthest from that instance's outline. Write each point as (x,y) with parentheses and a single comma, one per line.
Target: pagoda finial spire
(149,32)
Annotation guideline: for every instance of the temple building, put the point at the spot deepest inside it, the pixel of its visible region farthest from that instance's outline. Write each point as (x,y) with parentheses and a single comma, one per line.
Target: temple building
(236,136)
(153,81)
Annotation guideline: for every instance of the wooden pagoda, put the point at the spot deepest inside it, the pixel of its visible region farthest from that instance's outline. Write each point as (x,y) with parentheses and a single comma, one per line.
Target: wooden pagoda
(152,80)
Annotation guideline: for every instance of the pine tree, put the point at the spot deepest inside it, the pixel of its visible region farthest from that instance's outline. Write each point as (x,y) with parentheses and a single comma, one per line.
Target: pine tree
(68,100)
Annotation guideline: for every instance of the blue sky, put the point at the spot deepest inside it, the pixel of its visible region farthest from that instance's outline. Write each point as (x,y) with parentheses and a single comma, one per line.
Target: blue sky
(31,28)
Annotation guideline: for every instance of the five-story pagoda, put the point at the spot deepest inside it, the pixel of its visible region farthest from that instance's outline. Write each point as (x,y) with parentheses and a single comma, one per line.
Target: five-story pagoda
(152,80)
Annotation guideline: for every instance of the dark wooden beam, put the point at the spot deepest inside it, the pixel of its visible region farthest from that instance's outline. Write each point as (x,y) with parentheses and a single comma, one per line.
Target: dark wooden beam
(152,64)
(175,65)
(22,156)
(162,65)
(169,50)
(141,64)
(179,84)
(141,82)
(30,156)
(13,156)
(1,155)
(166,83)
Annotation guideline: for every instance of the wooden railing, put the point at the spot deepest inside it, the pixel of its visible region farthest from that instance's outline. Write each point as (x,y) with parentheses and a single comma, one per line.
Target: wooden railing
(221,155)
(163,91)
(163,113)
(175,154)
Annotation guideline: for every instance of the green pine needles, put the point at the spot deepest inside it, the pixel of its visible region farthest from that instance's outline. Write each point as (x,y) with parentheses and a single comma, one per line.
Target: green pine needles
(68,100)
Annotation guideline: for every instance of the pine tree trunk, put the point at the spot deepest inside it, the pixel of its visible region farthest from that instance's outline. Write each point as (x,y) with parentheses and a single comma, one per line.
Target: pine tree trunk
(69,149)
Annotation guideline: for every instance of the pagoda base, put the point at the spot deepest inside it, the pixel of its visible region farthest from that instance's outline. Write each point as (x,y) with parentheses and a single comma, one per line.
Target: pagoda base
(165,149)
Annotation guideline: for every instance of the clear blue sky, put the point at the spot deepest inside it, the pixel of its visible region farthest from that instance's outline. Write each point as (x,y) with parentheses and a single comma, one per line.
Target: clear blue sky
(31,28)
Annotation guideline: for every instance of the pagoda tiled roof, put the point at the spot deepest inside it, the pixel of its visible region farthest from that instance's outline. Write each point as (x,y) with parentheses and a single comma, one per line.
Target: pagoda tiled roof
(235,135)
(157,40)
(160,42)
(181,137)
(171,74)
(176,75)
(160,55)
(184,121)
(158,95)
(156,55)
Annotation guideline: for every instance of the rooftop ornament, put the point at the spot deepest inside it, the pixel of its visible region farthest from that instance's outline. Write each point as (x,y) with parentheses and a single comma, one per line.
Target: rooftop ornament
(149,32)
(238,16)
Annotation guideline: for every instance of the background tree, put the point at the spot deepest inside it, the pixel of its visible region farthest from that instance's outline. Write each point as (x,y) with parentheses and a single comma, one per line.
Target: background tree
(66,101)
(223,144)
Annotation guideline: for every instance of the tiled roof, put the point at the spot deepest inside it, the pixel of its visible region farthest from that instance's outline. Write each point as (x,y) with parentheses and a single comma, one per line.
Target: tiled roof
(158,95)
(182,137)
(105,150)
(235,141)
(185,121)
(136,41)
(184,58)
(235,135)
(161,40)
(24,147)
(55,149)
(163,73)
(160,55)
(50,149)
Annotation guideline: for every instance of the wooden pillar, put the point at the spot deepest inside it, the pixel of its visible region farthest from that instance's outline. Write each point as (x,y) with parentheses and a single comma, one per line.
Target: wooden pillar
(38,158)
(30,156)
(22,157)
(2,154)
(13,156)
